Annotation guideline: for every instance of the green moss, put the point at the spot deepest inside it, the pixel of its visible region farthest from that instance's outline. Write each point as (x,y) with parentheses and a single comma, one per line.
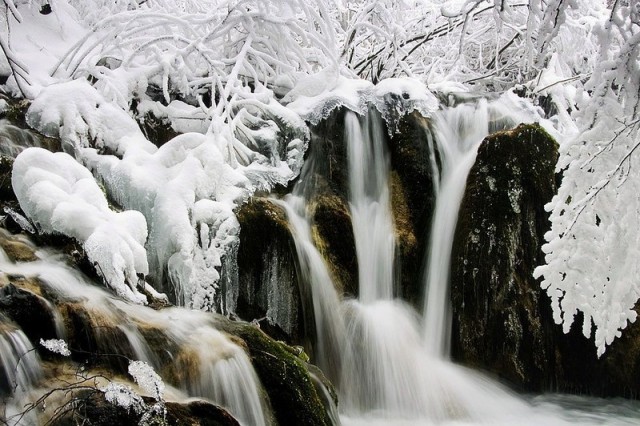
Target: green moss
(284,375)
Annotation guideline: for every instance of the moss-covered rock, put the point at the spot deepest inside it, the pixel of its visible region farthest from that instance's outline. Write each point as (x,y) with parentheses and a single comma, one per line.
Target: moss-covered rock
(501,318)
(284,375)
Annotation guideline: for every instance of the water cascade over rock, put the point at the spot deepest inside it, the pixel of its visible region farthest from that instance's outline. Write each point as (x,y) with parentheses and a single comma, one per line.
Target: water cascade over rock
(200,355)
(392,253)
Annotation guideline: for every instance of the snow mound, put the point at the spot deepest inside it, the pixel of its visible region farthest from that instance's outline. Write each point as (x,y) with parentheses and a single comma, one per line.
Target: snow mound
(60,196)
(77,114)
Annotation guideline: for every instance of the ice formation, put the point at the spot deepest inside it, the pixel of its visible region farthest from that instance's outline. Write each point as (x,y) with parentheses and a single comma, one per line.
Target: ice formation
(58,346)
(61,196)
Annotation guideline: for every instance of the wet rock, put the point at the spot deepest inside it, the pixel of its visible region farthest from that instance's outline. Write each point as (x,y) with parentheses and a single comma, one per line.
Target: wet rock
(328,151)
(30,312)
(94,337)
(91,408)
(332,233)
(16,250)
(578,370)
(198,413)
(268,280)
(285,377)
(501,317)
(412,153)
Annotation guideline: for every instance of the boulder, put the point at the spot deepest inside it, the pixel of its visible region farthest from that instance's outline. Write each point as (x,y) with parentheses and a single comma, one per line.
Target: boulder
(268,288)
(92,408)
(501,317)
(285,376)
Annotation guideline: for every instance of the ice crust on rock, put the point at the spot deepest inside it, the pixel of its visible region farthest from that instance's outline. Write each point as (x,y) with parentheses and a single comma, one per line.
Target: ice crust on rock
(61,196)
(315,97)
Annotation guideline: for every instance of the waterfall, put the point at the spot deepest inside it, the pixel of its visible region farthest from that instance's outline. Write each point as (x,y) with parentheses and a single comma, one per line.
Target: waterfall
(458,132)
(329,329)
(214,367)
(373,229)
(392,362)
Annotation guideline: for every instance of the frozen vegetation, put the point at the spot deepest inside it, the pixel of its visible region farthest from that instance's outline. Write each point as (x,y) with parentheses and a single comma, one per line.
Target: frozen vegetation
(239,79)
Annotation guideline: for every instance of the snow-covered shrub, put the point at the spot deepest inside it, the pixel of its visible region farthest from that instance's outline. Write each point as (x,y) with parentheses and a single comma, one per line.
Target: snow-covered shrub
(61,196)
(594,243)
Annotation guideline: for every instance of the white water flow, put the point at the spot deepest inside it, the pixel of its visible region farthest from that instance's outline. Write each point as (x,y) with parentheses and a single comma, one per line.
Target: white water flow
(212,365)
(458,132)
(329,328)
(373,229)
(393,366)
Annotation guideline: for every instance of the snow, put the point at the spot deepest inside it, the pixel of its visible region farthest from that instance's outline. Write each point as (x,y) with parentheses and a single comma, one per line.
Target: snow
(146,377)
(77,114)
(58,346)
(315,97)
(123,396)
(61,196)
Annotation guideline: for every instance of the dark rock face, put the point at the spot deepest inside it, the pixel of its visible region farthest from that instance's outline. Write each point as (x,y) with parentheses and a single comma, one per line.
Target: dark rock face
(268,280)
(29,311)
(6,190)
(413,199)
(616,373)
(92,408)
(501,317)
(502,320)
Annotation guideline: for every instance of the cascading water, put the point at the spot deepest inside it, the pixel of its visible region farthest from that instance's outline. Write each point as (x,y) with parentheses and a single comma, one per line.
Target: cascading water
(329,329)
(458,131)
(393,364)
(373,229)
(215,367)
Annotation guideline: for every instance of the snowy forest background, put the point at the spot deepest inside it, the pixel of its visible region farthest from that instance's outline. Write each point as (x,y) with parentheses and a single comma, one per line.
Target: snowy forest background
(224,69)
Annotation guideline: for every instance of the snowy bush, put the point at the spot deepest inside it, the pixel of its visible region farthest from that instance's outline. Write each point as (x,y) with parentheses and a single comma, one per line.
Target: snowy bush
(593,246)
(61,196)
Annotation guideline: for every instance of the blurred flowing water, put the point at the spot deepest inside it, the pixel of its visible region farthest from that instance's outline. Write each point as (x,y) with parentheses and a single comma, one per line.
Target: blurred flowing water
(211,365)
(390,363)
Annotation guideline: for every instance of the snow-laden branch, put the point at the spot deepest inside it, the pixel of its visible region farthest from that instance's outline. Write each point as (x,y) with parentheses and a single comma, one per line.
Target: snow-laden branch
(592,249)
